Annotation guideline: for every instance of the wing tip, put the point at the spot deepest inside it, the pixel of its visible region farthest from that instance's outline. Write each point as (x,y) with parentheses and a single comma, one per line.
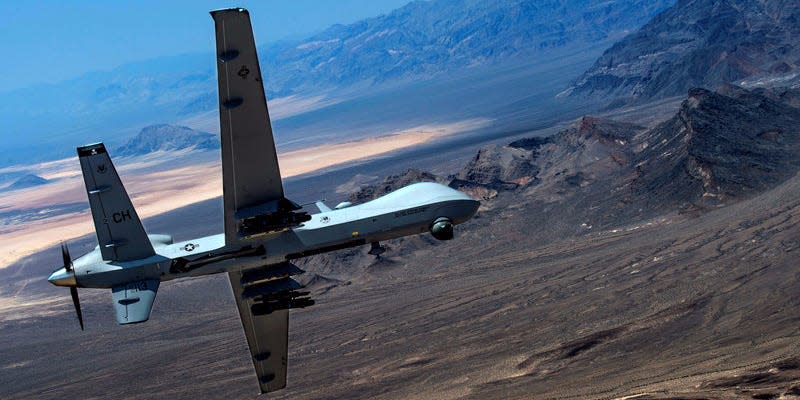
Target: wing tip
(220,11)
(91,149)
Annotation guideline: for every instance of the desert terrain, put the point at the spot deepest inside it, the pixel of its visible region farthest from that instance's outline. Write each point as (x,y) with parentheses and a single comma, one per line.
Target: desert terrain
(555,290)
(639,173)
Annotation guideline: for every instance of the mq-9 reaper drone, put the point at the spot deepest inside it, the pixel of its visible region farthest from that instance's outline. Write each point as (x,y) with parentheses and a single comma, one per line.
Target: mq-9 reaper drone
(264,230)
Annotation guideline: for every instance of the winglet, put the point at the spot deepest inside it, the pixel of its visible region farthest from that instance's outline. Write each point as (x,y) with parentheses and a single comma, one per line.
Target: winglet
(119,231)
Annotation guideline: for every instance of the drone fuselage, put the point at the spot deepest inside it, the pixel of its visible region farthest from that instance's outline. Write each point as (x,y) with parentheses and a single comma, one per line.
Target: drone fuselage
(406,211)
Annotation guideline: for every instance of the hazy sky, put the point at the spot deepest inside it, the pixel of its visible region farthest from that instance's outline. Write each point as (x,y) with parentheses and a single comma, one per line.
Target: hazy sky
(50,41)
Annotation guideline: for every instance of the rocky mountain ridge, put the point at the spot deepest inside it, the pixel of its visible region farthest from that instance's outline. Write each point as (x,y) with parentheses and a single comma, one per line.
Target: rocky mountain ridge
(720,146)
(699,43)
(168,137)
(718,149)
(429,37)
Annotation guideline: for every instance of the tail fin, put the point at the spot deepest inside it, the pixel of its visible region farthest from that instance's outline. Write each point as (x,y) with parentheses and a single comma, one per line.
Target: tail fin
(119,231)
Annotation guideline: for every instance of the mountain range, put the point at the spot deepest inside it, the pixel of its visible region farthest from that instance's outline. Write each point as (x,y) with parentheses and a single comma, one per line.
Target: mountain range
(425,38)
(700,43)
(26,181)
(422,40)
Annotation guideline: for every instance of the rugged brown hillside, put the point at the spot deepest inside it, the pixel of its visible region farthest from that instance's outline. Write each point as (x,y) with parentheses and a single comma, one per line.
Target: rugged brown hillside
(720,147)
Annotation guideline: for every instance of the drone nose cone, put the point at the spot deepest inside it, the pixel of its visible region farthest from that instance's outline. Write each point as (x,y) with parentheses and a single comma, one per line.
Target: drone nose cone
(62,277)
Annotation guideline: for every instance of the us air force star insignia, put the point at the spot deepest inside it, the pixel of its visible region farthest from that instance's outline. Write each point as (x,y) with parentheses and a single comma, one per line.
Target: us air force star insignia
(243,72)
(190,247)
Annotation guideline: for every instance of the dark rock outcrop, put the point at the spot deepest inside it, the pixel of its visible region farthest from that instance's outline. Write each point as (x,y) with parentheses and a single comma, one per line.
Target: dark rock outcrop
(531,143)
(168,137)
(719,147)
(788,96)
(320,284)
(500,168)
(593,146)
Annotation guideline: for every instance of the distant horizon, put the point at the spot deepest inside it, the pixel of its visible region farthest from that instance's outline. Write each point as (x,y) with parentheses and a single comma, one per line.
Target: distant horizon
(63,41)
(356,78)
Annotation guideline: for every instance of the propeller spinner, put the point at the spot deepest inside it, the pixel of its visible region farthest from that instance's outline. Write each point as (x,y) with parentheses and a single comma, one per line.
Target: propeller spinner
(65,276)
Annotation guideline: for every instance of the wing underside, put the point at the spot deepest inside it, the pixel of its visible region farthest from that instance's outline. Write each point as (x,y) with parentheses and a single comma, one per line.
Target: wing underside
(267,335)
(264,296)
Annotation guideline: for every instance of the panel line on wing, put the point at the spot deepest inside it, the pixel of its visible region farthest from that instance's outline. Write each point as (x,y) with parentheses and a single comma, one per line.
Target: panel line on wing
(228,110)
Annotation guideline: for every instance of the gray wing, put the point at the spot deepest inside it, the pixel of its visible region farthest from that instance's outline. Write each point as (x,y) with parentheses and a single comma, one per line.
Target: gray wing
(120,233)
(250,174)
(267,335)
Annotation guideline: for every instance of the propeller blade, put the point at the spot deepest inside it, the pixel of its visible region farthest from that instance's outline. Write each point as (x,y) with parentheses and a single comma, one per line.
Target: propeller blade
(74,292)
(65,256)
